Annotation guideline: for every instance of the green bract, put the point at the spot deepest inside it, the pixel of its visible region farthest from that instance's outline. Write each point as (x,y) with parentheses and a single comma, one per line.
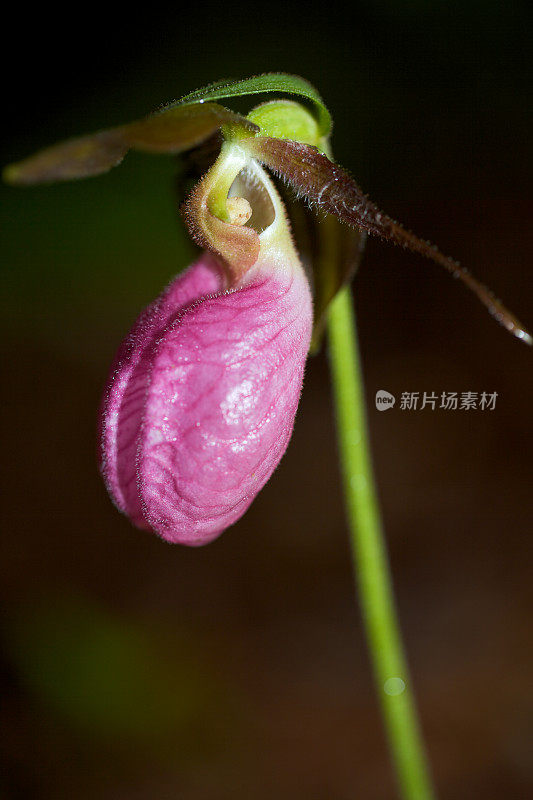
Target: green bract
(278,82)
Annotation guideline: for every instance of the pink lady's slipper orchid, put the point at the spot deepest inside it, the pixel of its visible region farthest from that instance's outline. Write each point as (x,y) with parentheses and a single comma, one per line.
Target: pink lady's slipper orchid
(201,400)
(200,403)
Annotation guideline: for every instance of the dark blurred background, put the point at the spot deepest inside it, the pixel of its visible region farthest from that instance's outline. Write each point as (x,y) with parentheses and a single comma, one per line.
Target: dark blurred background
(134,669)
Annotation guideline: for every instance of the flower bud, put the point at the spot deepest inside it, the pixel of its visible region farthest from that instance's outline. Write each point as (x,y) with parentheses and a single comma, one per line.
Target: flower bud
(201,400)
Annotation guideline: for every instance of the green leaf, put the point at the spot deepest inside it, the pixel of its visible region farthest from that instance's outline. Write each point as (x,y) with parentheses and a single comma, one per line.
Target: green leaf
(171,130)
(331,189)
(261,84)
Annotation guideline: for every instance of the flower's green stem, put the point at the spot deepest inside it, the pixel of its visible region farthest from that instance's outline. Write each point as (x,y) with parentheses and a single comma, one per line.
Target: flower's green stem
(370,558)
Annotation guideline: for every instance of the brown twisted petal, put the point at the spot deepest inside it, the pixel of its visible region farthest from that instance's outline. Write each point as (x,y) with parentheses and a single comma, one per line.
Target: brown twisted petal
(168,131)
(332,190)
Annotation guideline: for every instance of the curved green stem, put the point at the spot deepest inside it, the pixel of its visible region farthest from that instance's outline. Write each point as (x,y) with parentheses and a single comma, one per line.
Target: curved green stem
(370,558)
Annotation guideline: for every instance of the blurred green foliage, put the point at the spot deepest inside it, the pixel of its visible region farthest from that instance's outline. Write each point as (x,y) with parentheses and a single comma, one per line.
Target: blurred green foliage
(115,680)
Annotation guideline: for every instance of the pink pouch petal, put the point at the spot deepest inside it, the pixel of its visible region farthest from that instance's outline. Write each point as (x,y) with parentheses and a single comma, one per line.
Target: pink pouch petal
(203,397)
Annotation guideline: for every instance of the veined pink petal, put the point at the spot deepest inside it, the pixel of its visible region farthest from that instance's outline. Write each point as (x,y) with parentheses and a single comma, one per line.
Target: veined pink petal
(123,401)
(202,398)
